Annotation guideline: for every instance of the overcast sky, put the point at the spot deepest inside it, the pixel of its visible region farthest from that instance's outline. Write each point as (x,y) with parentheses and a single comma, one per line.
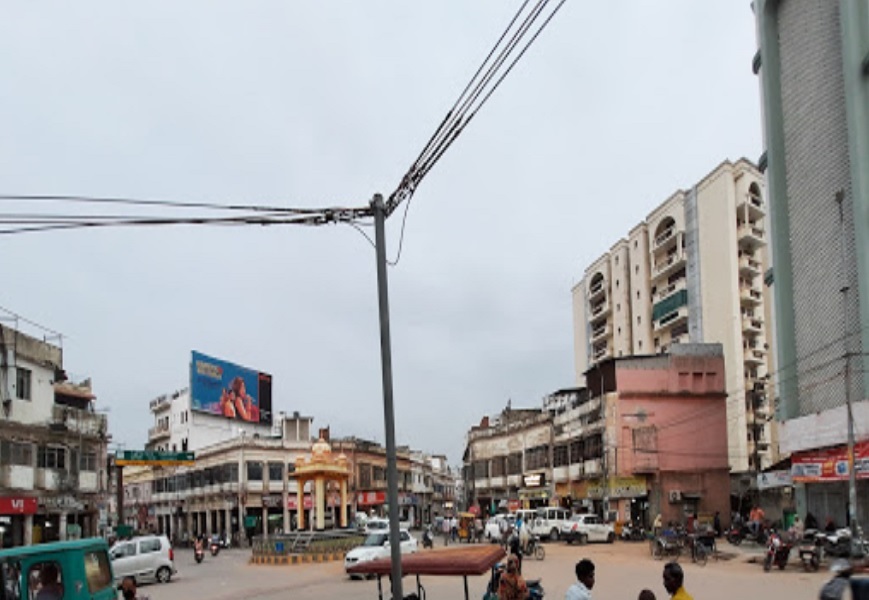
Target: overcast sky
(616,106)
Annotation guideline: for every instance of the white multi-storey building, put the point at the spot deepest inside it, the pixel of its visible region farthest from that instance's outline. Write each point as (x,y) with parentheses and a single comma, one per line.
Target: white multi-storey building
(692,271)
(52,446)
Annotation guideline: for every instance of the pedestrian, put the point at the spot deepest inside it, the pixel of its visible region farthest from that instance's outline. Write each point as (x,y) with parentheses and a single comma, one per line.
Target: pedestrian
(512,586)
(516,547)
(445,529)
(657,525)
(454,528)
(716,523)
(811,521)
(128,590)
(581,590)
(646,595)
(674,579)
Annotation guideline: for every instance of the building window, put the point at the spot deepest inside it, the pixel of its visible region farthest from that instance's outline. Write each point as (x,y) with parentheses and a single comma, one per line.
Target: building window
(22,383)
(618,308)
(254,471)
(640,344)
(617,260)
(635,243)
(639,319)
(21,454)
(88,462)
(50,457)
(617,284)
(276,471)
(636,267)
(638,294)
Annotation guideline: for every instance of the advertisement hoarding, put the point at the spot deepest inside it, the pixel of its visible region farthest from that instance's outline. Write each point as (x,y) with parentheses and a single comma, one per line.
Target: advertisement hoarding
(830,464)
(222,388)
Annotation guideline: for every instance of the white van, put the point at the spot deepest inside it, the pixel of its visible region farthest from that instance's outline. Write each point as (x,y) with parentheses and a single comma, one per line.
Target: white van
(548,521)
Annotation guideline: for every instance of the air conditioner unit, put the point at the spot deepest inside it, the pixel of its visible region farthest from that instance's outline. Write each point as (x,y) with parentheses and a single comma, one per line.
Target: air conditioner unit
(675,496)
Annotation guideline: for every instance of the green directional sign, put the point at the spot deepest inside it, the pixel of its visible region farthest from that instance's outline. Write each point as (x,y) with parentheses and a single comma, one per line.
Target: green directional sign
(153,458)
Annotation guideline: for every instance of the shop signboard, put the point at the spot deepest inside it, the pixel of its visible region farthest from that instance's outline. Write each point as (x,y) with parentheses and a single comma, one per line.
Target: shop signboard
(619,487)
(830,464)
(126,458)
(370,498)
(18,505)
(293,502)
(774,479)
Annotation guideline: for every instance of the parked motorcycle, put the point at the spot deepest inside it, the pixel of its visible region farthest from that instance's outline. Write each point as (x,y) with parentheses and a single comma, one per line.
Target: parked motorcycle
(778,550)
(427,538)
(736,535)
(632,533)
(811,549)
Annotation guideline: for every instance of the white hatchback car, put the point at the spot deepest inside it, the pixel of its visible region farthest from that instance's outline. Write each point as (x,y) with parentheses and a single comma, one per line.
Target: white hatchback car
(376,545)
(145,558)
(587,528)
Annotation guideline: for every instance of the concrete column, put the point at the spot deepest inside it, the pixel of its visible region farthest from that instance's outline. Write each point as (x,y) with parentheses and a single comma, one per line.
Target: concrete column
(187,525)
(320,502)
(300,511)
(28,530)
(343,503)
(228,515)
(284,499)
(265,522)
(62,527)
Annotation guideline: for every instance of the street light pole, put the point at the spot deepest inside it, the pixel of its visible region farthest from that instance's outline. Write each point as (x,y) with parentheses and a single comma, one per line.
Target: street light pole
(388,412)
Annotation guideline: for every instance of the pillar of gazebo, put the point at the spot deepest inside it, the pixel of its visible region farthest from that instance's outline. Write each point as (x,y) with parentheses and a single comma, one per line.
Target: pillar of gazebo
(343,503)
(320,501)
(300,506)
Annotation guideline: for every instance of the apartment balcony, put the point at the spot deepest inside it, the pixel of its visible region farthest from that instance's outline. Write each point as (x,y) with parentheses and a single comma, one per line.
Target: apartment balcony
(514,480)
(596,291)
(498,482)
(560,474)
(668,265)
(481,483)
(160,432)
(754,356)
(592,467)
(753,204)
(601,352)
(600,309)
(749,234)
(575,471)
(601,332)
(752,325)
(669,290)
(666,239)
(750,296)
(671,320)
(749,266)
(78,421)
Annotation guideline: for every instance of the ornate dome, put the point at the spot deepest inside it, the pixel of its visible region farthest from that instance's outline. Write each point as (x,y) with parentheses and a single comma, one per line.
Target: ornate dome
(321,451)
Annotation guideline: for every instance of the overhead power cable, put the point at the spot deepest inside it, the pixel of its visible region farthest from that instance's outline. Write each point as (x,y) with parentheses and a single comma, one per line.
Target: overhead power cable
(525,26)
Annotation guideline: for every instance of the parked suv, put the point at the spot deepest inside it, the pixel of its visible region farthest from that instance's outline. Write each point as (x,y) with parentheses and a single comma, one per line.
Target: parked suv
(548,521)
(145,558)
(587,528)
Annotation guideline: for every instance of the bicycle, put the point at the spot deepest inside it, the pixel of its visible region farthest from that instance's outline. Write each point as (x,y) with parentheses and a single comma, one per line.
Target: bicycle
(697,549)
(535,548)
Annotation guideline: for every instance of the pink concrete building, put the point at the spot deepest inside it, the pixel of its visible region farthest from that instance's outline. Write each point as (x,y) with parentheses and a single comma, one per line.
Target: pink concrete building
(666,423)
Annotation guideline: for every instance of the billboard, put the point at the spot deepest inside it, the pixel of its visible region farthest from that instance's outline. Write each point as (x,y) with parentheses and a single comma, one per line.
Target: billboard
(222,388)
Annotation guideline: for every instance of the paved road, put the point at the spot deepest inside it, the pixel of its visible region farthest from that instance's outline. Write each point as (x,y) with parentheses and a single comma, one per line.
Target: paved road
(623,569)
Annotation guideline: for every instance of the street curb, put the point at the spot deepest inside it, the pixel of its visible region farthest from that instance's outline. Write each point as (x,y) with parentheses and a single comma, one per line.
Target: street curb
(296,559)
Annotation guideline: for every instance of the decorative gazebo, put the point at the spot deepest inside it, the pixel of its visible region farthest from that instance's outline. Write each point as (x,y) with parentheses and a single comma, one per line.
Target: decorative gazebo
(320,468)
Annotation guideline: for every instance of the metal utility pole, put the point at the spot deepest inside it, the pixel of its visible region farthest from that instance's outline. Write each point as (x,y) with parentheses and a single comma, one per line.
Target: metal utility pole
(388,412)
(856,547)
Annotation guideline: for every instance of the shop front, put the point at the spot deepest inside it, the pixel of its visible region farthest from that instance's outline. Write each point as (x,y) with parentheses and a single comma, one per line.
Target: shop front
(821,483)
(534,492)
(621,499)
(16,520)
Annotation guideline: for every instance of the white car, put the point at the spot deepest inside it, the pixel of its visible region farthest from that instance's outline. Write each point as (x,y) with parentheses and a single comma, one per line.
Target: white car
(376,545)
(587,528)
(377,525)
(492,531)
(145,558)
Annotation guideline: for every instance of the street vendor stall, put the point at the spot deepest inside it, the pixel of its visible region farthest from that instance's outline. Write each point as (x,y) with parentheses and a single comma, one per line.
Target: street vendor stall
(460,561)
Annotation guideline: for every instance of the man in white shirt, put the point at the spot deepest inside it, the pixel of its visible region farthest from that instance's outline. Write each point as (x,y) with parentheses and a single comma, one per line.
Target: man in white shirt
(581,590)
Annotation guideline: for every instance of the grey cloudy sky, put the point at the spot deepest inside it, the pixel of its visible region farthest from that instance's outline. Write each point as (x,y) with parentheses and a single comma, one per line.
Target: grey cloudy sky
(617,105)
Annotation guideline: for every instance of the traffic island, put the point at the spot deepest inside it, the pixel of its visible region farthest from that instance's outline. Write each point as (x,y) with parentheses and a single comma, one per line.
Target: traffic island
(304,547)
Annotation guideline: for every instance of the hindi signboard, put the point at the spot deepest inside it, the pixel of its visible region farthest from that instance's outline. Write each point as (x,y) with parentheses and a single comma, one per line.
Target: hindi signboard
(125,458)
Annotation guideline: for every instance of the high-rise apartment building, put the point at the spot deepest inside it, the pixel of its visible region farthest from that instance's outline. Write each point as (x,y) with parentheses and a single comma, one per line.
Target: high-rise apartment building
(692,271)
(813,65)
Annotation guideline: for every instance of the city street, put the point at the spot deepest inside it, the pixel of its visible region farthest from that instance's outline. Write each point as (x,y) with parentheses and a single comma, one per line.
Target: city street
(623,569)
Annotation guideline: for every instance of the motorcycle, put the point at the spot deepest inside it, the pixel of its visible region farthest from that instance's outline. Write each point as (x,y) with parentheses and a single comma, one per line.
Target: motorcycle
(427,539)
(632,533)
(534,548)
(535,589)
(198,553)
(811,550)
(737,534)
(778,550)
(215,548)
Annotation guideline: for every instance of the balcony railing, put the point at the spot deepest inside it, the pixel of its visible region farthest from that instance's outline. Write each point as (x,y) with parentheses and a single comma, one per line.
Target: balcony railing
(750,265)
(750,232)
(600,332)
(668,264)
(750,294)
(666,235)
(78,421)
(752,324)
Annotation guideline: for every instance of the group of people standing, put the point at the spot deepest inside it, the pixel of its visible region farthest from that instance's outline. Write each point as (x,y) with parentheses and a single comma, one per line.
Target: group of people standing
(513,587)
